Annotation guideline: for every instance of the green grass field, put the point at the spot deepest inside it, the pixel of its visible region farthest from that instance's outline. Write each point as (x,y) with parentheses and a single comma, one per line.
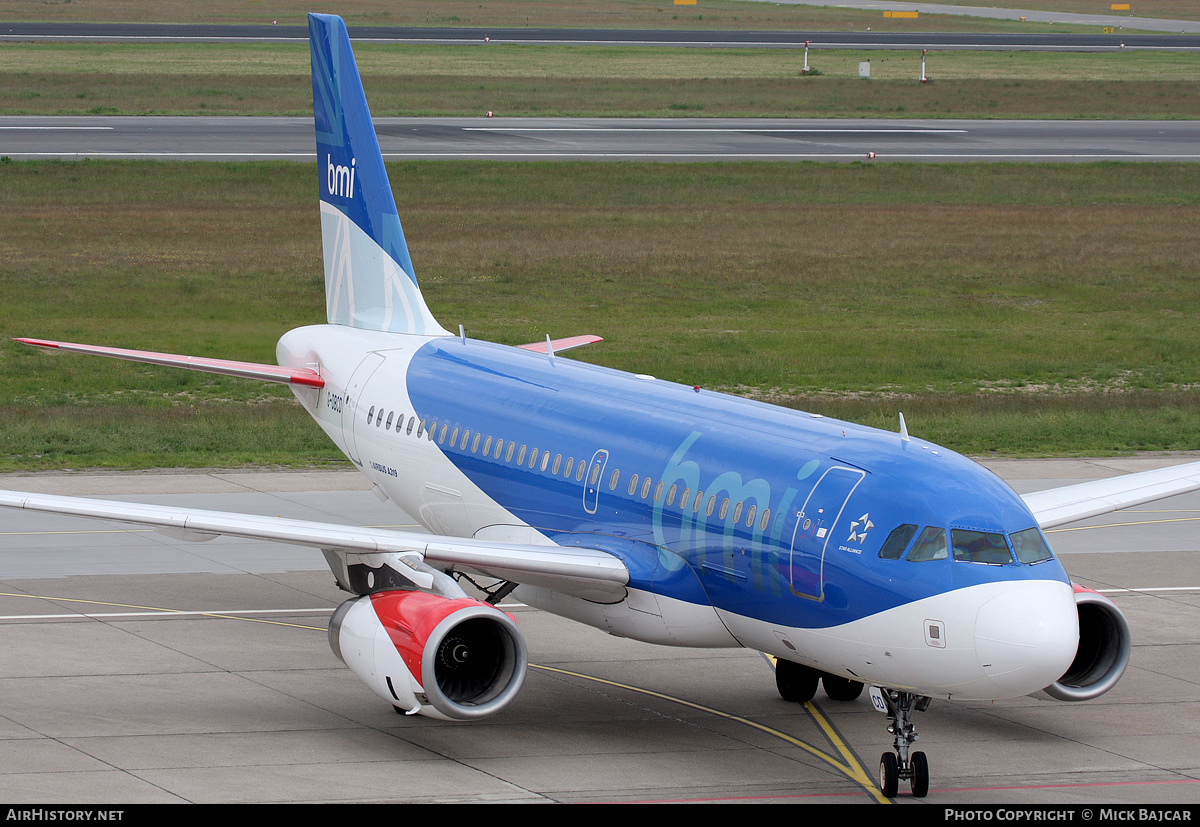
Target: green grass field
(262,79)
(1018,309)
(617,14)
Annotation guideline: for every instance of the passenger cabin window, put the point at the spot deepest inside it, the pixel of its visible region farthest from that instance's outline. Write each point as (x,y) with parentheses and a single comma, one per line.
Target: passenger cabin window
(897,542)
(979,547)
(1030,546)
(931,545)
(388,425)
(370,414)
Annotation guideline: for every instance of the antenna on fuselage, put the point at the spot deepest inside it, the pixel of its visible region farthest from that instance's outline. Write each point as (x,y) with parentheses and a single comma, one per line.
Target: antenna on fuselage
(903,428)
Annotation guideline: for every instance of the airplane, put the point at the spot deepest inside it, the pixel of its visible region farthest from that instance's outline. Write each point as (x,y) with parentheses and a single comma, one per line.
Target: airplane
(855,557)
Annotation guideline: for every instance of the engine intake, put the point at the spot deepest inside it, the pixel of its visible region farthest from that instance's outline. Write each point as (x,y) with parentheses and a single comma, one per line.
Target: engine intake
(1105,643)
(457,659)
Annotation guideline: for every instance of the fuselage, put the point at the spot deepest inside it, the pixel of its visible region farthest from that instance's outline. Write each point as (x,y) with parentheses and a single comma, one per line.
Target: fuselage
(741,523)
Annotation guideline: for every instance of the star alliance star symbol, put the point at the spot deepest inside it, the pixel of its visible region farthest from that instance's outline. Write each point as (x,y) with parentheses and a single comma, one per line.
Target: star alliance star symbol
(857,536)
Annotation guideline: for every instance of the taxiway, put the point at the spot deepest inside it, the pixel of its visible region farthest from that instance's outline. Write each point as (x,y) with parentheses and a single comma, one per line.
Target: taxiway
(139,668)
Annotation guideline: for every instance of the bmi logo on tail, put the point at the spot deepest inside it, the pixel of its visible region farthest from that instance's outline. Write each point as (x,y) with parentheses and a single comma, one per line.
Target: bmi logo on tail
(339,180)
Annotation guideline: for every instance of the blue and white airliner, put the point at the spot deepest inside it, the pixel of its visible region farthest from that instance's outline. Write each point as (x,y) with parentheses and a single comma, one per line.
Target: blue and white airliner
(650,510)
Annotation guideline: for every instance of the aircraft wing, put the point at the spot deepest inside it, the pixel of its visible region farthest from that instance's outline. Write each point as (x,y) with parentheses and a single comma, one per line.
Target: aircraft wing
(589,573)
(1088,499)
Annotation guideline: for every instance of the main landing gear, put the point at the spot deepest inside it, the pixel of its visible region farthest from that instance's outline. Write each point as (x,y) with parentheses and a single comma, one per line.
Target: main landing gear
(914,767)
(798,684)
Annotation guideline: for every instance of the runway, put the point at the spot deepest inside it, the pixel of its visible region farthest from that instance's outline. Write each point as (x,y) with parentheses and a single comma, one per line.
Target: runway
(139,668)
(1170,35)
(655,139)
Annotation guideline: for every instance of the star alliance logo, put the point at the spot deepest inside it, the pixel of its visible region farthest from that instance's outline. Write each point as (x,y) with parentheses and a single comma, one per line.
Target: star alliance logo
(860,536)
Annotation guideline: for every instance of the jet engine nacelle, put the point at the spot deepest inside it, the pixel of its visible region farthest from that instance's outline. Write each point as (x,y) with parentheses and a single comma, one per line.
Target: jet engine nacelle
(1104,647)
(455,659)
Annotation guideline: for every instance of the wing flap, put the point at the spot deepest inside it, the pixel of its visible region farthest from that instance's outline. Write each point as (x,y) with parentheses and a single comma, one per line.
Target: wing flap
(1057,506)
(227,367)
(593,573)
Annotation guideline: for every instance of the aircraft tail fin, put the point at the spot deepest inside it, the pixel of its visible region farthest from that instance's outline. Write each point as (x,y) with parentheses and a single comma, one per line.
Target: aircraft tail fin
(369,278)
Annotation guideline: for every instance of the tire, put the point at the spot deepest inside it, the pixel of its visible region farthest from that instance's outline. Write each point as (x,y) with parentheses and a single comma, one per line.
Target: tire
(889,775)
(797,684)
(919,779)
(841,689)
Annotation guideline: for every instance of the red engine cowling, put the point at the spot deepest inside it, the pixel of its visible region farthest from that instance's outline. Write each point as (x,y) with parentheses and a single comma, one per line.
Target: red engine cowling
(456,659)
(1105,643)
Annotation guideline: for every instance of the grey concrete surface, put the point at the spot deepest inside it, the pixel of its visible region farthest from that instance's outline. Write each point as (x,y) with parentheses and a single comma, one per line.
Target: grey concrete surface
(660,139)
(108,698)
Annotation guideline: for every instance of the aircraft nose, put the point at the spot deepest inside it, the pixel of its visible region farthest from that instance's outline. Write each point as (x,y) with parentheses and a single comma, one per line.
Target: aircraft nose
(1026,637)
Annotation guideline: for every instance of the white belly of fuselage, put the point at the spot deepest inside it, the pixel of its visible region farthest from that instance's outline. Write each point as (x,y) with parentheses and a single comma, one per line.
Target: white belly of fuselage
(984,642)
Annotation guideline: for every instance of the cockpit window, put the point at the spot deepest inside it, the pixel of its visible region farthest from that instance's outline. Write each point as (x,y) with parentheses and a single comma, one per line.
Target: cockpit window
(931,545)
(1030,546)
(979,547)
(897,541)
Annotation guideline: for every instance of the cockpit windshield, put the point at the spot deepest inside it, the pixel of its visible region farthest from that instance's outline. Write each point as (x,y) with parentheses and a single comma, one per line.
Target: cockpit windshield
(1030,546)
(931,545)
(969,546)
(980,547)
(897,541)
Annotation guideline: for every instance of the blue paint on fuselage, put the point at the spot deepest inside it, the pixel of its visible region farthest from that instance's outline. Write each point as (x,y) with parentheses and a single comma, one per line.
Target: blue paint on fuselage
(760,455)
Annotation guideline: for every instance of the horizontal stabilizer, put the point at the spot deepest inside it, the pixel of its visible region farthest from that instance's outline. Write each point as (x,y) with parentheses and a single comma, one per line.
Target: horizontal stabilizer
(561,344)
(246,370)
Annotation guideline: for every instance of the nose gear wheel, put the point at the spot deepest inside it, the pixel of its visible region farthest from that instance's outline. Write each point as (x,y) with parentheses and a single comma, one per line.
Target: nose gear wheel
(903,765)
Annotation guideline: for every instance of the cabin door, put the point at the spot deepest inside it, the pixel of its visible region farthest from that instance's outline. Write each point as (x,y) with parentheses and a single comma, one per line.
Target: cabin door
(819,520)
(591,482)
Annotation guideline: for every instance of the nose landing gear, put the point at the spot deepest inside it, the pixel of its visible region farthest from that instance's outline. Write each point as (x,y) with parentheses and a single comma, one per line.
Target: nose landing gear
(893,767)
